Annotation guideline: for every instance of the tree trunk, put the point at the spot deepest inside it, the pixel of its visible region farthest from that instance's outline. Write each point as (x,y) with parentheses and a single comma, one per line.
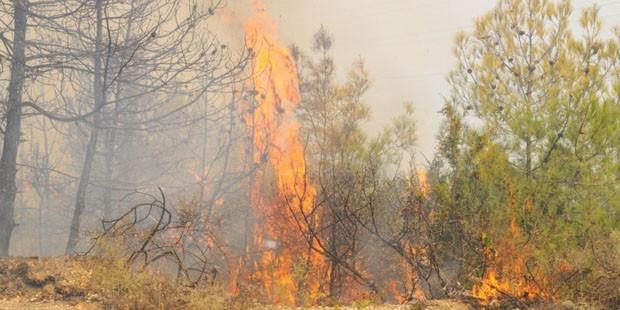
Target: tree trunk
(91,148)
(112,131)
(110,153)
(43,189)
(8,161)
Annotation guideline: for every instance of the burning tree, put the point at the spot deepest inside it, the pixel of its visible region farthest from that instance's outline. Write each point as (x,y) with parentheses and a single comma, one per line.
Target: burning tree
(274,248)
(331,117)
(359,201)
(294,201)
(517,193)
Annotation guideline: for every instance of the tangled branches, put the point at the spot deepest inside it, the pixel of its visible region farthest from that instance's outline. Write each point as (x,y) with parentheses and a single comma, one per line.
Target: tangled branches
(150,233)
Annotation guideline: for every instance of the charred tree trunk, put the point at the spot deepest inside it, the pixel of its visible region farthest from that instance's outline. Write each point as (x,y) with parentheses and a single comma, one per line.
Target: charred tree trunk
(335,274)
(42,187)
(110,154)
(109,160)
(91,148)
(8,161)
(113,131)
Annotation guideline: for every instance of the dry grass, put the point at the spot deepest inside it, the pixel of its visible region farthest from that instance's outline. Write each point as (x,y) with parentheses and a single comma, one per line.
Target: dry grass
(87,283)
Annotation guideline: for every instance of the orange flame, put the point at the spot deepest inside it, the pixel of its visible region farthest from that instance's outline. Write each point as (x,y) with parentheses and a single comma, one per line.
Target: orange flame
(506,273)
(276,235)
(404,286)
(425,187)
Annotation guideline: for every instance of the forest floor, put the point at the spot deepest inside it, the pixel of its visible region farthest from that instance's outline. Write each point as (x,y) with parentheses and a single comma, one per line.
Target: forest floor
(16,304)
(65,283)
(54,283)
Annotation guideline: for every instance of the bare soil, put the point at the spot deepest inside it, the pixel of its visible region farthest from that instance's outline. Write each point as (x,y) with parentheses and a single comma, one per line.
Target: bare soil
(63,283)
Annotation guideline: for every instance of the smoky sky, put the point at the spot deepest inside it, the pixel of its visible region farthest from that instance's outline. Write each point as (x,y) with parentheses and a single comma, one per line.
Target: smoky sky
(406,44)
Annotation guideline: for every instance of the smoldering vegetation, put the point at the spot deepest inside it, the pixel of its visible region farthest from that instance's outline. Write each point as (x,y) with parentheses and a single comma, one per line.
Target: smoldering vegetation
(176,166)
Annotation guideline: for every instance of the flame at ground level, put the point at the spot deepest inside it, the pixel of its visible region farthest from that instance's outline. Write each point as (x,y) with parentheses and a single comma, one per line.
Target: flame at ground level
(506,273)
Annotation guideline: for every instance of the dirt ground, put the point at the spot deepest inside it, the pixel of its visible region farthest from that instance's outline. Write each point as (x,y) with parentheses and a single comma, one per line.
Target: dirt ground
(426,305)
(56,305)
(63,283)
(51,305)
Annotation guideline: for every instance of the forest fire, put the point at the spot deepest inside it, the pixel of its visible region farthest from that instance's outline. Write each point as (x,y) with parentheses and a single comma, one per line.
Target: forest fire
(275,134)
(424,185)
(258,154)
(506,273)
